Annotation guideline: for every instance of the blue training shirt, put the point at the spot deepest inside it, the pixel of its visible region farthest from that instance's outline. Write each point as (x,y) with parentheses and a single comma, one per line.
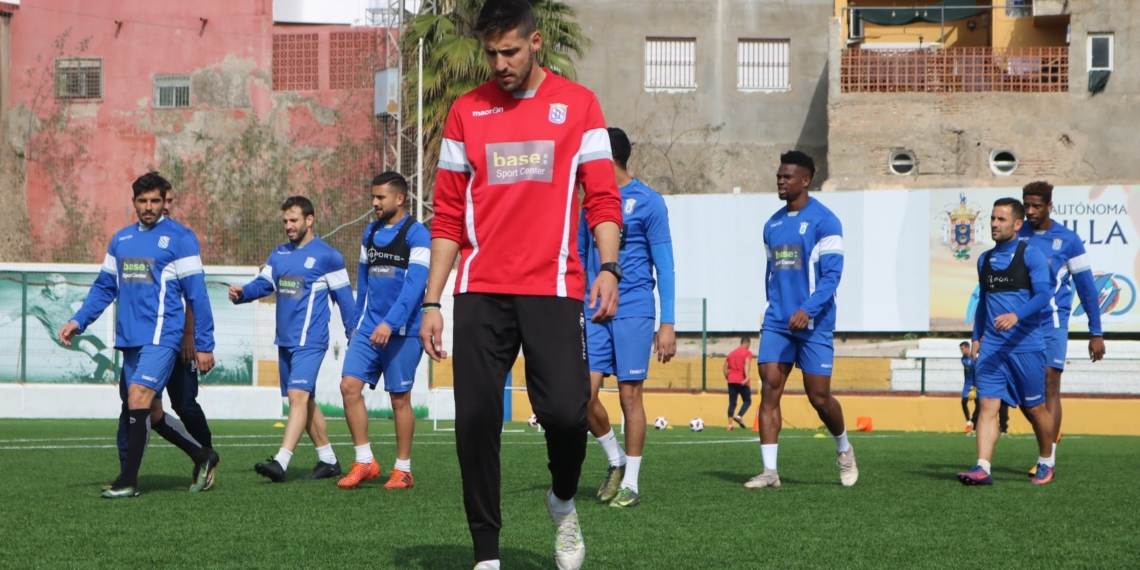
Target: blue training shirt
(968,367)
(1026,335)
(149,270)
(1066,260)
(805,263)
(390,293)
(644,237)
(304,278)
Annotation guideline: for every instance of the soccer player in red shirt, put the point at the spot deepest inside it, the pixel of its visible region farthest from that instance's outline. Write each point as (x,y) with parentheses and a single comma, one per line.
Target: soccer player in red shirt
(736,367)
(515,151)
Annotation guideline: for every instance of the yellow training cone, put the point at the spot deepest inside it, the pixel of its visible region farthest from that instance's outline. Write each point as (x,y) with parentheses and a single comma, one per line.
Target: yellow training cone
(278,424)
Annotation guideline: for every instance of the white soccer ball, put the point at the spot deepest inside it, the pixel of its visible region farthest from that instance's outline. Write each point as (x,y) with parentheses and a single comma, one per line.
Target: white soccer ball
(697,424)
(532,421)
(660,423)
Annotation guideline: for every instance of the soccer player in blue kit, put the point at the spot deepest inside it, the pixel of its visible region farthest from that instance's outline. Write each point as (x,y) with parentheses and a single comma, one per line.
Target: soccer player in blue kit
(804,246)
(391,279)
(305,274)
(1069,266)
(149,266)
(622,347)
(968,386)
(1008,342)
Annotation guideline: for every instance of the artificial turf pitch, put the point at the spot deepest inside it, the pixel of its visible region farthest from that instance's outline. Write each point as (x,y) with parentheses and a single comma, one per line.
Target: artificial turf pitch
(906,511)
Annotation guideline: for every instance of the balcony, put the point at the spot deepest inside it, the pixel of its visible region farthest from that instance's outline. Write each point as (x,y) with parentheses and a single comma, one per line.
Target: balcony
(956,70)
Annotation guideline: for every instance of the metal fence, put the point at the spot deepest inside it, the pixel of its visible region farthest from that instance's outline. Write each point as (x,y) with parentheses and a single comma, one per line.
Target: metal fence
(1111,376)
(956,70)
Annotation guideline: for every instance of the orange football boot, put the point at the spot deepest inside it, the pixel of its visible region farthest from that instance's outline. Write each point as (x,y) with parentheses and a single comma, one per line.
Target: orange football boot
(399,480)
(360,472)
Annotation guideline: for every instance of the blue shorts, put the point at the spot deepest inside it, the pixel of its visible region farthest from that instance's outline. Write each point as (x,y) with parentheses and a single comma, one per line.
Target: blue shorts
(813,355)
(620,347)
(1017,378)
(298,366)
(1056,347)
(149,365)
(397,362)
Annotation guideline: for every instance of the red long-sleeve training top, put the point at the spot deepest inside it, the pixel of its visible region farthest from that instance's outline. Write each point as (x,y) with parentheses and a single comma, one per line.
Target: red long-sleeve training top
(506,186)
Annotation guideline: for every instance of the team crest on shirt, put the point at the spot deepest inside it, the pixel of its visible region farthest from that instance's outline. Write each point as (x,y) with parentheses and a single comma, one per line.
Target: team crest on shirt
(309,262)
(803,228)
(629,205)
(163,241)
(1057,244)
(558,113)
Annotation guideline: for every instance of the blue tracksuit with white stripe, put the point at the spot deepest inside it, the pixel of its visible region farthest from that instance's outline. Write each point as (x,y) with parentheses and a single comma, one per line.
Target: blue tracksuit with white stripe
(1068,265)
(304,278)
(149,270)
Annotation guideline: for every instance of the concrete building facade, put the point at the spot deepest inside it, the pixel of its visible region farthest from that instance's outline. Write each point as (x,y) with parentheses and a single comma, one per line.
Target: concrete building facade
(721,130)
(1031,99)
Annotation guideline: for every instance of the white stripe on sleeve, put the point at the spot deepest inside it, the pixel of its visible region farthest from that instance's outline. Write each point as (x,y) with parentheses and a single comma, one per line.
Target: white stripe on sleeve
(453,156)
(363,255)
(1079,263)
(420,256)
(110,265)
(188,266)
(267,274)
(595,146)
(831,245)
(337,279)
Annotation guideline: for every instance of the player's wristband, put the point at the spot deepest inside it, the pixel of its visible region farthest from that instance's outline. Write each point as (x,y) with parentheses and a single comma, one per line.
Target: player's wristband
(431,307)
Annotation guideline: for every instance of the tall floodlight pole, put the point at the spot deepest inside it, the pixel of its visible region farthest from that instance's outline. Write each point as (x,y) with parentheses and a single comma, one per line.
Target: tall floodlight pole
(420,136)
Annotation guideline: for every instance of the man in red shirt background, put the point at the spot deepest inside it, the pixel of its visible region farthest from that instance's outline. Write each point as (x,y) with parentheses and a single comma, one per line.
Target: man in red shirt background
(736,367)
(515,150)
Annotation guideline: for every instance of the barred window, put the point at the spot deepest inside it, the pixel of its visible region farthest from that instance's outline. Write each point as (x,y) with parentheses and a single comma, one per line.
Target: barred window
(354,58)
(670,63)
(79,78)
(762,65)
(171,91)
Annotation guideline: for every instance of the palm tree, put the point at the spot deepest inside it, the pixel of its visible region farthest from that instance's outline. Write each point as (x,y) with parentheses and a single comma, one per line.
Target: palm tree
(454,62)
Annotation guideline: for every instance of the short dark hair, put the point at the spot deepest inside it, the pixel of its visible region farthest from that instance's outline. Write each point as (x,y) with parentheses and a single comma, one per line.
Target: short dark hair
(501,16)
(1039,188)
(150,181)
(299,202)
(620,146)
(393,179)
(745,340)
(799,159)
(1015,204)
(963,343)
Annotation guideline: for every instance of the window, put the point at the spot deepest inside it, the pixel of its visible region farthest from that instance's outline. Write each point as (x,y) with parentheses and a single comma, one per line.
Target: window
(295,62)
(1018,8)
(1100,52)
(854,25)
(670,63)
(171,91)
(902,162)
(79,78)
(762,65)
(1003,162)
(354,57)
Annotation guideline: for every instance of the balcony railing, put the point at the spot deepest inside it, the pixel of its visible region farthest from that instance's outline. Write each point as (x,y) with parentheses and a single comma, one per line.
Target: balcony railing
(956,70)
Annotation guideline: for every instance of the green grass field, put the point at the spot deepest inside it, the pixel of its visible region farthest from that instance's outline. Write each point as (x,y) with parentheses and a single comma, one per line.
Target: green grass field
(907,510)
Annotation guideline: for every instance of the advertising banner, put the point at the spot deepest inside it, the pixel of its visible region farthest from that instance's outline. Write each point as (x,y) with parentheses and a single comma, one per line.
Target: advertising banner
(1106,218)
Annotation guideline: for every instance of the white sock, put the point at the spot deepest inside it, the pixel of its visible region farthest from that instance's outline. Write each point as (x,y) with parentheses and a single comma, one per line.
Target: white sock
(613,451)
(1054,451)
(632,467)
(768,452)
(283,457)
(326,455)
(363,453)
(841,443)
(404,465)
(984,465)
(1047,461)
(492,563)
(560,507)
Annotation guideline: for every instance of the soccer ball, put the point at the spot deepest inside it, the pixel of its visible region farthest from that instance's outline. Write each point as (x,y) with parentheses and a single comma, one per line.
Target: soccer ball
(532,421)
(697,424)
(660,423)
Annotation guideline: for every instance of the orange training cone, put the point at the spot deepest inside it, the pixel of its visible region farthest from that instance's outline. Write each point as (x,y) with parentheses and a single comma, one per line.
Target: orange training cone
(756,422)
(863,423)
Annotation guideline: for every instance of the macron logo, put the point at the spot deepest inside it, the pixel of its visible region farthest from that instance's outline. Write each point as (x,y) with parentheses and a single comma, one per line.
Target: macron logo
(485,112)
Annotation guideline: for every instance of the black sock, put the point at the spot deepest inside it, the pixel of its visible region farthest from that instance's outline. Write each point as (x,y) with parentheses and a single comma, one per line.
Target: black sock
(173,431)
(137,433)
